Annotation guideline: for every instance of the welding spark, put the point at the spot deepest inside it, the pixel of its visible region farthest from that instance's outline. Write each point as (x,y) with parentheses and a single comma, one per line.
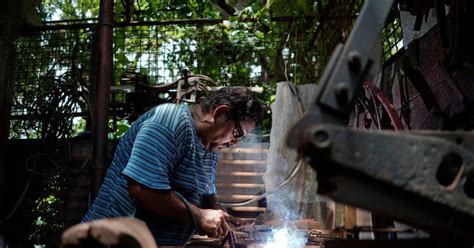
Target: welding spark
(287,238)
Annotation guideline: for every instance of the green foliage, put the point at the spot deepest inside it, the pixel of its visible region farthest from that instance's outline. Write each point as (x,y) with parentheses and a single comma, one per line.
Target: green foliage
(78,126)
(118,127)
(69,10)
(260,52)
(46,208)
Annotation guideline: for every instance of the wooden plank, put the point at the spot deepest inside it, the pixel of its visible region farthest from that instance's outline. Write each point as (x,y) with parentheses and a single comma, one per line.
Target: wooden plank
(243,156)
(339,216)
(238,179)
(244,214)
(249,209)
(235,197)
(241,162)
(244,153)
(239,191)
(241,185)
(231,168)
(238,199)
(350,217)
(244,150)
(241,174)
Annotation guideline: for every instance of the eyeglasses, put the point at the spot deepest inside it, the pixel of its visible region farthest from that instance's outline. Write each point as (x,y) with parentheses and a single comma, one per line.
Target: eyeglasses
(238,133)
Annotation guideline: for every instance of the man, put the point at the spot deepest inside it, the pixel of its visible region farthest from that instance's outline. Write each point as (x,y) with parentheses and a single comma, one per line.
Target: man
(169,154)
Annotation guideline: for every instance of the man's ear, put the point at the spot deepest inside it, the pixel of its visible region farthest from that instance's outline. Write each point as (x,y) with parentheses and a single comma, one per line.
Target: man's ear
(220,111)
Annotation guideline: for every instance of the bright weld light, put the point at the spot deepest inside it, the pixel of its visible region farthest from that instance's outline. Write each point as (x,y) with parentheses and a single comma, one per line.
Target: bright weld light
(280,239)
(284,238)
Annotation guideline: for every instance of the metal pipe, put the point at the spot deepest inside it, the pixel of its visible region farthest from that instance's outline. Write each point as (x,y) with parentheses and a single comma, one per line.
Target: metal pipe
(26,30)
(10,19)
(101,103)
(7,62)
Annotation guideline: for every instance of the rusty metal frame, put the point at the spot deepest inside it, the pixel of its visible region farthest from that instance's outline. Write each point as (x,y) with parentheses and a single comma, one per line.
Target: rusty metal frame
(101,103)
(423,179)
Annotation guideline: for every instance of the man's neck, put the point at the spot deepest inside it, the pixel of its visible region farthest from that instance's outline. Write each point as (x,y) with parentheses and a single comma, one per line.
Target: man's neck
(202,126)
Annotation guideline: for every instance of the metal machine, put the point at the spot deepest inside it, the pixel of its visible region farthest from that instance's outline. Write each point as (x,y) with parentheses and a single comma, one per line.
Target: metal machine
(422,178)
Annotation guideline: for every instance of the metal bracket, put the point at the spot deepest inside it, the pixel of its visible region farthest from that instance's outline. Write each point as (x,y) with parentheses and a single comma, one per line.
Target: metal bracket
(350,64)
(423,179)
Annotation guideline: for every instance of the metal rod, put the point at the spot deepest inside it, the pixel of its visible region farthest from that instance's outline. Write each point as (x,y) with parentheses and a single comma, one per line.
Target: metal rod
(38,116)
(232,239)
(101,103)
(26,30)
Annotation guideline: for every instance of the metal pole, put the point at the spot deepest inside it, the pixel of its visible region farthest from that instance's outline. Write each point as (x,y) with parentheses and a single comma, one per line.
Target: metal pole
(10,19)
(104,81)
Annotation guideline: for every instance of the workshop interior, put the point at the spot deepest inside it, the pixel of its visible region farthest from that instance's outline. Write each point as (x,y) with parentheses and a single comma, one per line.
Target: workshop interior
(366,137)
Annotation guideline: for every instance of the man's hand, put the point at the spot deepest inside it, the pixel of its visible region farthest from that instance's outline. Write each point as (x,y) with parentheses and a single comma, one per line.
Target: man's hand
(213,222)
(167,204)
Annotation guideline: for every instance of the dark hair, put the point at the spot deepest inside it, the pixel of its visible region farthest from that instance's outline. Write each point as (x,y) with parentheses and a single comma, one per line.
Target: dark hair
(243,104)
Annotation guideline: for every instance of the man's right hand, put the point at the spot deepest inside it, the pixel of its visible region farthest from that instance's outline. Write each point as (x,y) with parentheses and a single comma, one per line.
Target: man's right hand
(213,222)
(167,204)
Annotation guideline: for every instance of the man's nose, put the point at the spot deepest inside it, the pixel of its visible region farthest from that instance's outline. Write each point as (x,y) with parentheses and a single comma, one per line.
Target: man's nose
(233,142)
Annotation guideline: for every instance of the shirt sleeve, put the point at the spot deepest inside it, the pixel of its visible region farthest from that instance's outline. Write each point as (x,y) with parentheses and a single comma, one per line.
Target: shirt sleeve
(153,157)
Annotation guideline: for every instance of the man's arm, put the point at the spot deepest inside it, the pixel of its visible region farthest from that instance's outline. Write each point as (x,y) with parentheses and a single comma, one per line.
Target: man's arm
(167,204)
(210,201)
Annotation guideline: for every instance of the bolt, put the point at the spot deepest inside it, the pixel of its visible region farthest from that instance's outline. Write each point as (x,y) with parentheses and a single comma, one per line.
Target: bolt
(354,61)
(341,90)
(321,139)
(185,72)
(321,136)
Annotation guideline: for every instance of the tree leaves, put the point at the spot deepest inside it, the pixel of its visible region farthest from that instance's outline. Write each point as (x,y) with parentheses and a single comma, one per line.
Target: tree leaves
(236,51)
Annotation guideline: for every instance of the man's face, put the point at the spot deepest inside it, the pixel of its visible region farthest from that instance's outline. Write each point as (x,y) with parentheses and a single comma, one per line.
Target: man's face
(228,132)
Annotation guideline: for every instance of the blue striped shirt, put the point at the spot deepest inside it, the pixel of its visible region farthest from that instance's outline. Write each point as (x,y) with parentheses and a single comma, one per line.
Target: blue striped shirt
(162,151)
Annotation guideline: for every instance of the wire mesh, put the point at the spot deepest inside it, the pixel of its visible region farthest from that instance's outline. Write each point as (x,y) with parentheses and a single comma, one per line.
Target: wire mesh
(392,38)
(162,52)
(51,82)
(53,71)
